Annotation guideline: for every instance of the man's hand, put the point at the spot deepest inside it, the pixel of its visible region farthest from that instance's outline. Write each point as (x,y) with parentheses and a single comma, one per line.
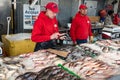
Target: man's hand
(58,36)
(74,43)
(54,36)
(62,36)
(91,39)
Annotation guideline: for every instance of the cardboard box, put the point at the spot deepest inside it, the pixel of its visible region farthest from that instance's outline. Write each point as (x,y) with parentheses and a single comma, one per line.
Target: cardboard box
(14,48)
(94,18)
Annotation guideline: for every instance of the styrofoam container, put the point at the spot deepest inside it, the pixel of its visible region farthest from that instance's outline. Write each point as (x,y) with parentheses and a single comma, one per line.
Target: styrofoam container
(17,47)
(0,51)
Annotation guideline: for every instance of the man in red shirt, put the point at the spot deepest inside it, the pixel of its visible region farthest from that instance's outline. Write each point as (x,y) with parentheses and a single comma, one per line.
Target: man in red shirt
(81,27)
(116,19)
(45,30)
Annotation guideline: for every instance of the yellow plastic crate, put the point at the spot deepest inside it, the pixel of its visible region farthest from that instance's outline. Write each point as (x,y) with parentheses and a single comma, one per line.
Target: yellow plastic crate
(14,48)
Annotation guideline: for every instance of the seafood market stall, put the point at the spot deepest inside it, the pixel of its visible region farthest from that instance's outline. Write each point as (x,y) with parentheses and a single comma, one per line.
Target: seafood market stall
(95,61)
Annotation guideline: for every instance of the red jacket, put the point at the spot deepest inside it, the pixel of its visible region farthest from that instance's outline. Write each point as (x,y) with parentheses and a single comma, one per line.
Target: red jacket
(80,27)
(116,19)
(43,28)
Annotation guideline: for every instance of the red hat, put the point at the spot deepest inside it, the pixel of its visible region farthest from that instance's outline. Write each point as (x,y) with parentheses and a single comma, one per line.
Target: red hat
(82,6)
(52,6)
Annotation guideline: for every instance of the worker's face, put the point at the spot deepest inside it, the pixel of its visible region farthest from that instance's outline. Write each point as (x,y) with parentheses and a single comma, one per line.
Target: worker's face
(83,11)
(50,14)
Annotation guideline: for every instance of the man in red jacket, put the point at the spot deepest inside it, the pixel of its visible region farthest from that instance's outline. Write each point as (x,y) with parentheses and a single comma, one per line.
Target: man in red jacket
(81,27)
(45,29)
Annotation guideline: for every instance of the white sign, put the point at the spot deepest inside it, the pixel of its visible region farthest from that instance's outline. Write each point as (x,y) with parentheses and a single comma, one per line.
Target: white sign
(92,7)
(30,15)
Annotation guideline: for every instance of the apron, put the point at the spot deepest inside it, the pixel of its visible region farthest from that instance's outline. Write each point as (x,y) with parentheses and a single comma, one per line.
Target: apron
(45,45)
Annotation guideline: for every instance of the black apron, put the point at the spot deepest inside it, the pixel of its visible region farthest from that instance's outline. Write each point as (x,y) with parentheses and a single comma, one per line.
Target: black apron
(45,45)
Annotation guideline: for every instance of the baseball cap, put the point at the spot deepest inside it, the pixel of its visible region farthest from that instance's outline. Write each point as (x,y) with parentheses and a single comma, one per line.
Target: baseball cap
(82,6)
(52,6)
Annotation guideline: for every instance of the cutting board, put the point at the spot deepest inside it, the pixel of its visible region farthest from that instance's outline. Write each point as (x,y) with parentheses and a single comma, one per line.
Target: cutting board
(58,52)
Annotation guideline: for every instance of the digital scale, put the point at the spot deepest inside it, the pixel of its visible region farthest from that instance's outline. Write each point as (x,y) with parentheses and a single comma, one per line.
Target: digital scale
(111,31)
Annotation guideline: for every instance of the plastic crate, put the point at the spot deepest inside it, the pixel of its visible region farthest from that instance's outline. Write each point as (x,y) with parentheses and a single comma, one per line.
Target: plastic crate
(14,48)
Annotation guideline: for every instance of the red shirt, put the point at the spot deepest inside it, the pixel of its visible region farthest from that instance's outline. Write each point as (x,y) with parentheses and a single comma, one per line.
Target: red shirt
(80,27)
(43,28)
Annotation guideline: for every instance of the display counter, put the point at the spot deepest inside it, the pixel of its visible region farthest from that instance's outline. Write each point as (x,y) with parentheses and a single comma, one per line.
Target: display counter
(96,61)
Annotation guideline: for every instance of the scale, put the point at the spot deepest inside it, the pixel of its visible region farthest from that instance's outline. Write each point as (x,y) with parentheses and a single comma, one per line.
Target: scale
(112,28)
(111,31)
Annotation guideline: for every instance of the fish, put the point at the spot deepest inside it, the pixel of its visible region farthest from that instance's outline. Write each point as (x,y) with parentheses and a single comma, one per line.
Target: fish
(105,49)
(27,76)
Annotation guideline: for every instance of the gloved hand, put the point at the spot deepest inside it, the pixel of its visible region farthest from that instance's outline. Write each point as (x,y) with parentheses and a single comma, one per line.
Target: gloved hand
(91,39)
